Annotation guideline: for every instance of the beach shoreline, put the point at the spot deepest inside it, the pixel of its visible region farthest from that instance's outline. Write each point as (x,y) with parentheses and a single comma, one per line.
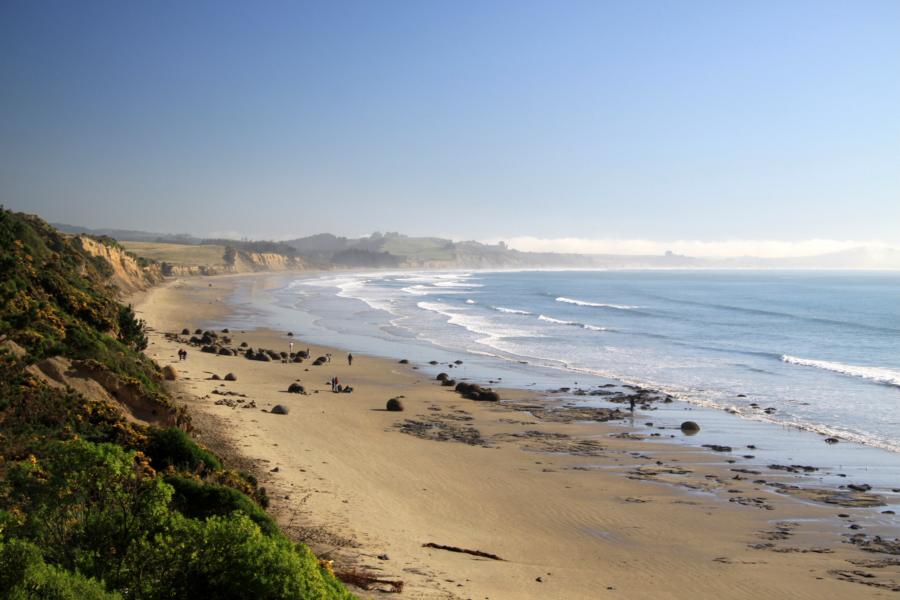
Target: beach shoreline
(575,509)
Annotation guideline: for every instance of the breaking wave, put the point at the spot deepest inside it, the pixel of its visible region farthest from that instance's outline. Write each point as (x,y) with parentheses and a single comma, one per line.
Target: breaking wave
(876,374)
(596,304)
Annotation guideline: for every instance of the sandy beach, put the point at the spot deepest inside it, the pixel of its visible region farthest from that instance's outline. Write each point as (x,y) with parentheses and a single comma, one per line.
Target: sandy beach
(569,508)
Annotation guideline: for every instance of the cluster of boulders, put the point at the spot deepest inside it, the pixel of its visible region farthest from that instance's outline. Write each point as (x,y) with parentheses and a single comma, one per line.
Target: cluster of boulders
(214,343)
(473,391)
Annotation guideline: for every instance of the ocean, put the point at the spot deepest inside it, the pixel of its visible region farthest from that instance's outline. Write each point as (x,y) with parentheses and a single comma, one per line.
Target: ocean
(813,351)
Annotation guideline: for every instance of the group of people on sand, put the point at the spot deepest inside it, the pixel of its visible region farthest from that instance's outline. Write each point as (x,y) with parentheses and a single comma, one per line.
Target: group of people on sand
(182,354)
(335,382)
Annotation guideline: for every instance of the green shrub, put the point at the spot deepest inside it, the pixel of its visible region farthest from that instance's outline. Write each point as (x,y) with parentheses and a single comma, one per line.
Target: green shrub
(25,576)
(229,558)
(173,447)
(198,500)
(87,505)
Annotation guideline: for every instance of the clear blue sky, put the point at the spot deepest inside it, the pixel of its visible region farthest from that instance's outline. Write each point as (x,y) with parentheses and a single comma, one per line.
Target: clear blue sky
(656,120)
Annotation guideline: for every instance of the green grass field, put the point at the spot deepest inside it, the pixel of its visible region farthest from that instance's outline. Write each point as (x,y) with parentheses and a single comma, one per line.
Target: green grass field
(179,254)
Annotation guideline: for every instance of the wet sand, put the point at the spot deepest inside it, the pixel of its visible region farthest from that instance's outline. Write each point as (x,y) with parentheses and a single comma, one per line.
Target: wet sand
(573,509)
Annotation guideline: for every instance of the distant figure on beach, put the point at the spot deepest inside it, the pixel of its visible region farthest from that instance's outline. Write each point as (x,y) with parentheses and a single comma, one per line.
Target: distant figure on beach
(328,357)
(350,359)
(631,404)
(291,348)
(182,354)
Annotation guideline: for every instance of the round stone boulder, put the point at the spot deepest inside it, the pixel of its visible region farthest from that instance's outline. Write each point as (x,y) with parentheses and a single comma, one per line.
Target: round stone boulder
(689,428)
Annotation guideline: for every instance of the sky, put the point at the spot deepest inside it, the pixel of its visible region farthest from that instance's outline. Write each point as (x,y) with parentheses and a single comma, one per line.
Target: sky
(724,127)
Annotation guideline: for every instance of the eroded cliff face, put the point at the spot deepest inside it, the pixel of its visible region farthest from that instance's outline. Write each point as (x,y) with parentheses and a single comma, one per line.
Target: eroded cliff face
(253,262)
(129,274)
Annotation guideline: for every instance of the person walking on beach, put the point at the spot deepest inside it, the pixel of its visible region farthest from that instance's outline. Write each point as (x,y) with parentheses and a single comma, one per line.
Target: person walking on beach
(631,404)
(350,360)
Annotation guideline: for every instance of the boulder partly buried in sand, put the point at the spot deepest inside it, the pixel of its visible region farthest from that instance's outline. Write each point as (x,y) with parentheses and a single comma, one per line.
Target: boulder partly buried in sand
(296,388)
(320,361)
(170,373)
(230,377)
(394,405)
(280,409)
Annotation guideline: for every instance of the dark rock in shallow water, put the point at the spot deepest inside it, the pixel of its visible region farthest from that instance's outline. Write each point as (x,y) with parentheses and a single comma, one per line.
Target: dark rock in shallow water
(690,427)
(458,362)
(403,361)
(717,448)
(280,409)
(448,383)
(432,362)
(442,377)
(831,440)
(859,487)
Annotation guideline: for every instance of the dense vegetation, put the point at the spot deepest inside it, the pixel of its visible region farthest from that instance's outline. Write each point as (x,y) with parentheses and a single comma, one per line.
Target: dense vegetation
(93,505)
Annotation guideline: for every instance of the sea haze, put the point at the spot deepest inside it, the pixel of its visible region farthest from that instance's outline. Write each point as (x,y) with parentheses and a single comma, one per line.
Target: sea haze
(820,348)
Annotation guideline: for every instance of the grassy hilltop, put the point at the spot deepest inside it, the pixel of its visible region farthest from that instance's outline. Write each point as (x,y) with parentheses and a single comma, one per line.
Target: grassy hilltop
(103,493)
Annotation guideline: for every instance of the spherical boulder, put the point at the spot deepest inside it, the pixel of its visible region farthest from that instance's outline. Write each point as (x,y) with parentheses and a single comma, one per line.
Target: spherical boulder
(170,373)
(215,377)
(280,409)
(448,383)
(185,331)
(394,405)
(442,377)
(296,388)
(230,377)
(689,428)
(320,361)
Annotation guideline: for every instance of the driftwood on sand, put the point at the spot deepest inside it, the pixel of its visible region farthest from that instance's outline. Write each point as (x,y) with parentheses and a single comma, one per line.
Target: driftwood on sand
(463,550)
